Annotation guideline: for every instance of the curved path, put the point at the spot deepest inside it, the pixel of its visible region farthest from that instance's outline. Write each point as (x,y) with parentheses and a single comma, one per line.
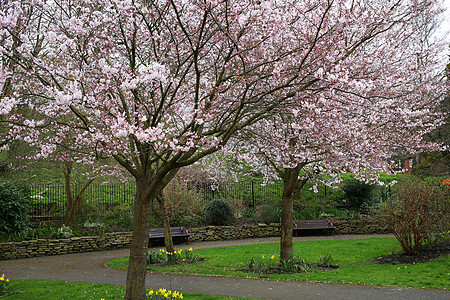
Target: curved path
(89,267)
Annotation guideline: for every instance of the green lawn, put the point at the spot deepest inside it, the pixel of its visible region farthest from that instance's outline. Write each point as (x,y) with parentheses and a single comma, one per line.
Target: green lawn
(353,256)
(58,290)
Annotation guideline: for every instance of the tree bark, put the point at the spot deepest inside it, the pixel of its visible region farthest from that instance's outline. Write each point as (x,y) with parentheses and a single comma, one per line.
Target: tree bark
(72,203)
(135,284)
(168,240)
(67,169)
(290,184)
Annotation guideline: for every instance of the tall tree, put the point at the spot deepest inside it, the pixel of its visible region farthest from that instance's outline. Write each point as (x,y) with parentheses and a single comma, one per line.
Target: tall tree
(157,85)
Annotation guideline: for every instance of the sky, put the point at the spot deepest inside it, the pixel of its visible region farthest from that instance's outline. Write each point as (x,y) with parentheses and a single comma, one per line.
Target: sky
(444,32)
(446,23)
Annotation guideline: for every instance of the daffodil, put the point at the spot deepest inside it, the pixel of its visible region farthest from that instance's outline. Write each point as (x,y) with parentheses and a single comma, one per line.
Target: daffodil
(272,257)
(190,249)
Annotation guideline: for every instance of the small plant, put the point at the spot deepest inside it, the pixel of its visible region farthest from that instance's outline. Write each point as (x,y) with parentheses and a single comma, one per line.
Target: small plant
(171,257)
(327,259)
(63,232)
(163,294)
(219,212)
(294,265)
(3,284)
(264,264)
(250,214)
(154,257)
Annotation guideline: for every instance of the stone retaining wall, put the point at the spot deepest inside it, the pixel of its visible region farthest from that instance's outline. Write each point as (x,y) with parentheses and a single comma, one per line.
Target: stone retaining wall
(363,226)
(108,241)
(43,247)
(219,233)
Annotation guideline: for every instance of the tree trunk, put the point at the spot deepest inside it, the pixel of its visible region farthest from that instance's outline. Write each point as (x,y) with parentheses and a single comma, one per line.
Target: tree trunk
(72,203)
(290,184)
(67,169)
(168,241)
(135,284)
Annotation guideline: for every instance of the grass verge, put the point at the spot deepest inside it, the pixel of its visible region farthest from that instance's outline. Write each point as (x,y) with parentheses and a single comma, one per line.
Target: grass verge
(353,256)
(58,290)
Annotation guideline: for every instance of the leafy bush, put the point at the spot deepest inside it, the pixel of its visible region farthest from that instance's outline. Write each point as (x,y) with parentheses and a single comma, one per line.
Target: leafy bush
(358,194)
(270,214)
(184,206)
(14,209)
(417,212)
(250,214)
(219,212)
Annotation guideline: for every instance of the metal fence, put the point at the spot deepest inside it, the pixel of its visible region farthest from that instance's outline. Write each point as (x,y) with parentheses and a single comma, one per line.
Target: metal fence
(49,200)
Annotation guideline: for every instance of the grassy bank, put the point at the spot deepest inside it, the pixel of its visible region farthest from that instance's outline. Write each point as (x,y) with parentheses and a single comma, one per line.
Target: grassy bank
(353,256)
(57,290)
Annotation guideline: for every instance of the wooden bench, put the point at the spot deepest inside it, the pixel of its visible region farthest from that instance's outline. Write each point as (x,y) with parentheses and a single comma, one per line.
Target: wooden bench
(177,232)
(310,225)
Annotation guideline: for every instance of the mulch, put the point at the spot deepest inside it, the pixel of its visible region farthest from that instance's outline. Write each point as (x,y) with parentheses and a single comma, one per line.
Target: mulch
(424,254)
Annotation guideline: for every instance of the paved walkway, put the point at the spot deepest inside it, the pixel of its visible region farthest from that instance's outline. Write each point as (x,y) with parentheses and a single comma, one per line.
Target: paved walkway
(89,267)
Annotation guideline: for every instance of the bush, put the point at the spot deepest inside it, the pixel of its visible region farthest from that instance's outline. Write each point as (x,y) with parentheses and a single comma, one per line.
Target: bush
(358,194)
(14,209)
(270,214)
(417,212)
(185,207)
(219,212)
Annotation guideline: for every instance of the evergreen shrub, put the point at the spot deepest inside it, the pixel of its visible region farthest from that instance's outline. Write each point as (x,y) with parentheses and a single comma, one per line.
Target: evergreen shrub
(14,209)
(358,194)
(219,212)
(270,214)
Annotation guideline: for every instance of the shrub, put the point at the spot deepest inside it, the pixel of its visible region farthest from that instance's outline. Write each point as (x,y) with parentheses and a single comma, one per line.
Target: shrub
(184,206)
(219,212)
(358,194)
(417,212)
(14,209)
(270,214)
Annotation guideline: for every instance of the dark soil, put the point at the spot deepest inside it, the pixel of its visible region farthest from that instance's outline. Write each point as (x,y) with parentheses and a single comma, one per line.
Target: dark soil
(179,263)
(280,270)
(424,254)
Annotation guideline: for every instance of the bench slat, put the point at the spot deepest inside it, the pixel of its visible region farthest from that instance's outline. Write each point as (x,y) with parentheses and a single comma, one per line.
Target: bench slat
(157,233)
(321,224)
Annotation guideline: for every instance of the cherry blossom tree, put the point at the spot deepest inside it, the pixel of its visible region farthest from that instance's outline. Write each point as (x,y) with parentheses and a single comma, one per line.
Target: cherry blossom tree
(157,85)
(353,122)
